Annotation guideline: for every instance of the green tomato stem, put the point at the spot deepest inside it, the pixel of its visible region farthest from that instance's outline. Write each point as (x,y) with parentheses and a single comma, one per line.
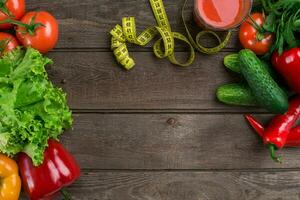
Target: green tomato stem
(4,9)
(29,28)
(256,26)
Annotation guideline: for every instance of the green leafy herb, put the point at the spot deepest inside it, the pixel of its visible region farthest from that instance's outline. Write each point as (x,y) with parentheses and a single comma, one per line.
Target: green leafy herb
(32,110)
(283,19)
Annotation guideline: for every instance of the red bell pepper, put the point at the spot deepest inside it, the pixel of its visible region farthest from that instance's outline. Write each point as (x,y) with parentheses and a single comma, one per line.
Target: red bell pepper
(288,65)
(58,170)
(293,139)
(277,132)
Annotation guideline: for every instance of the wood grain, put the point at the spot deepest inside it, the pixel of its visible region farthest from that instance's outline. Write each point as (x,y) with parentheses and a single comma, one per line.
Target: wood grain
(86,24)
(101,185)
(94,81)
(170,141)
(156,132)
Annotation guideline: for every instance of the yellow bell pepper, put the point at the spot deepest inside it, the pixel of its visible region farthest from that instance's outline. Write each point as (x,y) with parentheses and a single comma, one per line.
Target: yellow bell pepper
(10,184)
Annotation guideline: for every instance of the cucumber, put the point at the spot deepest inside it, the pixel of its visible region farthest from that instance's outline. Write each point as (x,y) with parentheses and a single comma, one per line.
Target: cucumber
(265,90)
(233,63)
(236,94)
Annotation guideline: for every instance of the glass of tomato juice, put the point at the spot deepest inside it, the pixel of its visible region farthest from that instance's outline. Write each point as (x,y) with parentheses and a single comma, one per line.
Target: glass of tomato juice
(221,14)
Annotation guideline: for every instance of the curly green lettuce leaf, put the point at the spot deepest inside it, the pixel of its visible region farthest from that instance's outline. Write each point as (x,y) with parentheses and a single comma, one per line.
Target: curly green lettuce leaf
(31,91)
(33,64)
(10,61)
(32,109)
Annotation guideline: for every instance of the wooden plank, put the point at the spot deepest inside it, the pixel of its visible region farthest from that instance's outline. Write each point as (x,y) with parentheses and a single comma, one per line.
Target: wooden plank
(170,141)
(101,185)
(87,24)
(94,81)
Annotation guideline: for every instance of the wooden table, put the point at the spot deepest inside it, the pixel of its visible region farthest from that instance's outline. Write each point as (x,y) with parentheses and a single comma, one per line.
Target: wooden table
(156,132)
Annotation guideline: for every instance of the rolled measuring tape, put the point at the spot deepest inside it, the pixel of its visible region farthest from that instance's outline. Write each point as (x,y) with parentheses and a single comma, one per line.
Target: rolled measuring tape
(127,33)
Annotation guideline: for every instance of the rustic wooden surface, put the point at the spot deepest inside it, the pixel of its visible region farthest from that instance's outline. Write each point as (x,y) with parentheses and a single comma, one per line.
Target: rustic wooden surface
(156,132)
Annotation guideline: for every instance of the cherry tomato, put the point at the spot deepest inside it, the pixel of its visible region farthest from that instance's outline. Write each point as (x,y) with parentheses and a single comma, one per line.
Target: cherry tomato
(14,9)
(7,43)
(252,37)
(41,31)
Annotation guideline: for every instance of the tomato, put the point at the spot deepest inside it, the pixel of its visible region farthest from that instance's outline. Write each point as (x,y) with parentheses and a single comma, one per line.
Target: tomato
(7,43)
(41,31)
(253,38)
(11,8)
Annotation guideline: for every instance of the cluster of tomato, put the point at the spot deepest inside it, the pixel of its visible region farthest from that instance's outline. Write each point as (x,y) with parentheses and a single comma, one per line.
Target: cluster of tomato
(38,29)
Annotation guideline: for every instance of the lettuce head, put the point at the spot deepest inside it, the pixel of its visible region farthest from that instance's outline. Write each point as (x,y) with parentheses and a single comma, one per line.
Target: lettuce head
(32,109)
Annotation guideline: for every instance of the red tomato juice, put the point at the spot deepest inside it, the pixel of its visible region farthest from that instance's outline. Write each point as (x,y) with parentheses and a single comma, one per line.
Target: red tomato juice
(221,13)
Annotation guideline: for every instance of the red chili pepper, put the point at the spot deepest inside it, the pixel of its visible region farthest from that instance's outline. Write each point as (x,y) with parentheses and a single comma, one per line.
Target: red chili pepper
(288,65)
(58,170)
(293,139)
(276,133)
(256,125)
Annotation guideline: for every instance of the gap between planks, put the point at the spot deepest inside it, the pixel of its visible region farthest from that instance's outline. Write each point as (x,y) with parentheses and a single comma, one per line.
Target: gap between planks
(192,170)
(131,49)
(168,111)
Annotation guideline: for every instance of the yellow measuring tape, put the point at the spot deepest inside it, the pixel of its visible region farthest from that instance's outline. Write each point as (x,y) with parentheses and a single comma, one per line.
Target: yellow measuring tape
(127,33)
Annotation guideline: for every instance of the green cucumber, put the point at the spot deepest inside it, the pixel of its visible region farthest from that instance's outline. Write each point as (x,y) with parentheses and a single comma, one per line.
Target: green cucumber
(233,63)
(236,94)
(265,90)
